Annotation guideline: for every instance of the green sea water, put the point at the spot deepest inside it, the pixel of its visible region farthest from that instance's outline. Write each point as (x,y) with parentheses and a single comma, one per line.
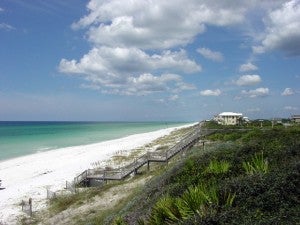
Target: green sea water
(24,138)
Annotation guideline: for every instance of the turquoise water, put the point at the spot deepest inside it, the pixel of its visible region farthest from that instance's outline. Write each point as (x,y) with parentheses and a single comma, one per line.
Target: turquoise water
(24,138)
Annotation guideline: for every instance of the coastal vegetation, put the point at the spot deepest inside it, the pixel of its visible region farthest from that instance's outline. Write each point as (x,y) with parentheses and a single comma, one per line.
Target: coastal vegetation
(243,175)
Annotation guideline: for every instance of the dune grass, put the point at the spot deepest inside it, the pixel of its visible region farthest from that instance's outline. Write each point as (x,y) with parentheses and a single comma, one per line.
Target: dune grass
(257,164)
(218,167)
(211,186)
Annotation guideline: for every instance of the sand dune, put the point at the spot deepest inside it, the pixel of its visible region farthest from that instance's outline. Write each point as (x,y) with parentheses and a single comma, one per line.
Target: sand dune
(30,176)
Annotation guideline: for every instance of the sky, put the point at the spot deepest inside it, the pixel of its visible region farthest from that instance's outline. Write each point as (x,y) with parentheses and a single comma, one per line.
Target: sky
(148,60)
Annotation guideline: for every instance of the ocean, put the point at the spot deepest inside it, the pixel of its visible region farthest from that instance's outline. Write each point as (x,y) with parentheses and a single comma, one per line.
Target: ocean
(24,138)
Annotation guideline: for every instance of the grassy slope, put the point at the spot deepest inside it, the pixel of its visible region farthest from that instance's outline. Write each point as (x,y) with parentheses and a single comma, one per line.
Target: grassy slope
(260,198)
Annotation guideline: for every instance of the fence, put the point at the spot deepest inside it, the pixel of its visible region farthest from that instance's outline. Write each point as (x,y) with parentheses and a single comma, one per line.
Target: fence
(70,186)
(27,207)
(97,177)
(51,194)
(118,174)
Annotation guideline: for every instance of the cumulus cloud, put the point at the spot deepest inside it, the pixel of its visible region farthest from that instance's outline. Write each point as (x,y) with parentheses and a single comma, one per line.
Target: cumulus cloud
(282,32)
(208,92)
(131,40)
(259,92)
(209,54)
(127,61)
(247,67)
(158,25)
(122,70)
(247,80)
(142,84)
(287,92)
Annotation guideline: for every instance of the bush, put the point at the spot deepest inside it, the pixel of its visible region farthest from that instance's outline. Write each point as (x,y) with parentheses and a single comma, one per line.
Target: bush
(218,167)
(212,187)
(199,202)
(257,164)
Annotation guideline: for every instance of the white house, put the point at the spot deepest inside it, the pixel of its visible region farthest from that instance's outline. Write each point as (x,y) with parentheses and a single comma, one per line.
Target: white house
(296,118)
(229,118)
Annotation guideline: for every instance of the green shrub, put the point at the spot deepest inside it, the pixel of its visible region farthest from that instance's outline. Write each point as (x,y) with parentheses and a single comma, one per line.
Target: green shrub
(218,167)
(119,221)
(257,164)
(164,211)
(197,202)
(210,187)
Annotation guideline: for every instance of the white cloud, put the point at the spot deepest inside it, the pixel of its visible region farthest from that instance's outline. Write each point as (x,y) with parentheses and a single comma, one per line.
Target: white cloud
(127,61)
(208,92)
(5,26)
(287,92)
(247,67)
(291,108)
(209,54)
(258,49)
(247,80)
(143,84)
(155,24)
(282,32)
(124,70)
(132,38)
(259,92)
(148,83)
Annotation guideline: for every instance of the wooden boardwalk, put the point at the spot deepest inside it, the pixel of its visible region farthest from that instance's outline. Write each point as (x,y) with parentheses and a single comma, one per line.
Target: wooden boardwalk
(90,176)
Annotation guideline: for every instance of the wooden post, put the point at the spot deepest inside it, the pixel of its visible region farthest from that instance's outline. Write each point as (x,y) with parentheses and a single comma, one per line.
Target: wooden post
(183,153)
(23,203)
(167,157)
(148,161)
(86,180)
(135,167)
(74,186)
(30,206)
(104,175)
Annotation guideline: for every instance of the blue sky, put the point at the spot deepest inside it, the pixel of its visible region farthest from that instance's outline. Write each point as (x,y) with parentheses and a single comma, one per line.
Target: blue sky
(145,60)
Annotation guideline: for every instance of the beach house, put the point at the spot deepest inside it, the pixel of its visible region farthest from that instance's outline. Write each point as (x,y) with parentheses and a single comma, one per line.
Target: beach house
(229,118)
(296,118)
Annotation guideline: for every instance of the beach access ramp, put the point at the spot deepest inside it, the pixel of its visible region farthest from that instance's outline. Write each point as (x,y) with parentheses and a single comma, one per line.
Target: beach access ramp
(91,177)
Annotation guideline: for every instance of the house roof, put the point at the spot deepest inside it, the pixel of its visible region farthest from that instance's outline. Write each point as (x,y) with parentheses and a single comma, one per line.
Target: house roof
(230,114)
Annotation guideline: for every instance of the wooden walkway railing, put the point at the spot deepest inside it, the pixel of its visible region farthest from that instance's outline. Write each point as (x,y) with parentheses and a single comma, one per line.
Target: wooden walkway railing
(118,174)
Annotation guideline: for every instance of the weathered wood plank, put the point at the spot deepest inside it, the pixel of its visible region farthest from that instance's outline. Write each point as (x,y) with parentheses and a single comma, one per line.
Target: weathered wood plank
(119,174)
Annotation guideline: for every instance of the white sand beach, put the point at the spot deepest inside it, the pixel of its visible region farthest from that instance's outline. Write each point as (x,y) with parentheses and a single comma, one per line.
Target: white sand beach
(30,176)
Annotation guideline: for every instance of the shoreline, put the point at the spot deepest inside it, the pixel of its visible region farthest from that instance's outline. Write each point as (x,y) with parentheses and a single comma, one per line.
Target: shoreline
(29,176)
(91,138)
